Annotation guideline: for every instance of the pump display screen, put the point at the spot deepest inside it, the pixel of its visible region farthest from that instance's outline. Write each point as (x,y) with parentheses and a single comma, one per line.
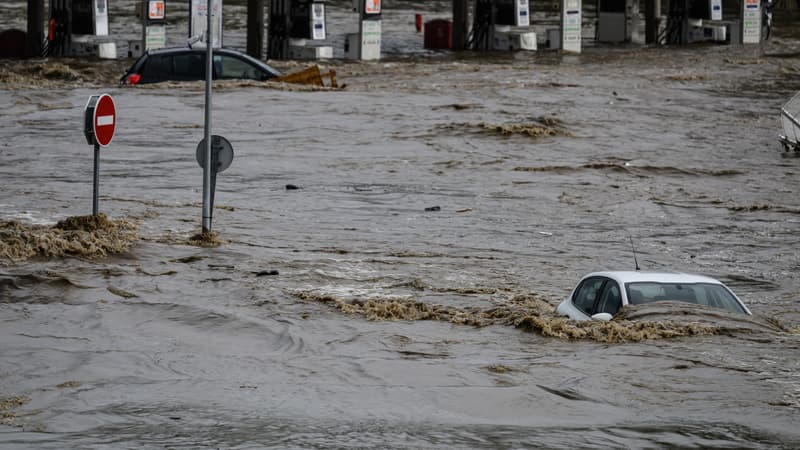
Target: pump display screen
(373,7)
(155,10)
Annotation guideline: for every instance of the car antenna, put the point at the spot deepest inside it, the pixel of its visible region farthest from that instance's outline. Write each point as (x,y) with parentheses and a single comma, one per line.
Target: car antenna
(635,261)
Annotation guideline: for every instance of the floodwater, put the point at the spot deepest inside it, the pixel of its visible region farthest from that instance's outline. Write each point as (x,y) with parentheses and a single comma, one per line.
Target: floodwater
(388,255)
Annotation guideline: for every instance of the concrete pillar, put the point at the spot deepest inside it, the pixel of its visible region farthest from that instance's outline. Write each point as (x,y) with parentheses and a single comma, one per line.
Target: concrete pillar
(460,24)
(255,28)
(35,34)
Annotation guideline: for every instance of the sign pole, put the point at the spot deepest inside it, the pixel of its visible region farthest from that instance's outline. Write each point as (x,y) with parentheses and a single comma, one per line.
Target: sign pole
(100,122)
(96,191)
(221,159)
(207,165)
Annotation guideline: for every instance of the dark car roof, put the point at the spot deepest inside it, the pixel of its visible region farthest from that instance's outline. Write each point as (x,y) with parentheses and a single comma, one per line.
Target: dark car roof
(183,50)
(228,51)
(162,51)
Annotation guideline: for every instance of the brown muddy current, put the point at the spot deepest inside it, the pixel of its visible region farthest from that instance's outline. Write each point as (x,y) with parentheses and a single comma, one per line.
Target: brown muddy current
(386,257)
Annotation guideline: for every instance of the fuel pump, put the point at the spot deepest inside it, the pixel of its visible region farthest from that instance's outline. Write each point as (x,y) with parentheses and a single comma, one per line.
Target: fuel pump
(483,20)
(752,21)
(306,29)
(571,25)
(79,27)
(492,25)
(154,26)
(366,44)
(307,20)
(58,28)
(511,13)
(295,28)
(766,18)
(702,23)
(278,29)
(611,21)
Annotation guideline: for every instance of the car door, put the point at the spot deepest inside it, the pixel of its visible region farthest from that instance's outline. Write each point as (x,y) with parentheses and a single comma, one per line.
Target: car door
(228,67)
(188,66)
(598,295)
(610,299)
(587,293)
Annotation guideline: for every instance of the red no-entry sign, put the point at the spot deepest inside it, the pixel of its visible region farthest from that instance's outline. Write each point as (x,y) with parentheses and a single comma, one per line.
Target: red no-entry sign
(99,123)
(100,120)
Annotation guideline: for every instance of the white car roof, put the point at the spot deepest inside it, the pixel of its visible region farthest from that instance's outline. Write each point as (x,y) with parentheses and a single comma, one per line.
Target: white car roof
(658,277)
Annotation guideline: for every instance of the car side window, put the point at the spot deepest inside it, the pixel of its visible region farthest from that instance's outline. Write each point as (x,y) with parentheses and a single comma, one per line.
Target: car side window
(227,67)
(188,66)
(157,68)
(610,299)
(586,294)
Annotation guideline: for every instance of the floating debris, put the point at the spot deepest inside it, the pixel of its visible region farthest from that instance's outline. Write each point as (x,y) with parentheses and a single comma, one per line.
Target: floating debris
(643,170)
(391,309)
(750,208)
(206,239)
(310,76)
(613,331)
(120,293)
(529,129)
(532,313)
(61,72)
(69,384)
(538,128)
(56,71)
(7,404)
(744,62)
(501,369)
(267,273)
(688,77)
(85,236)
(188,259)
(458,106)
(156,274)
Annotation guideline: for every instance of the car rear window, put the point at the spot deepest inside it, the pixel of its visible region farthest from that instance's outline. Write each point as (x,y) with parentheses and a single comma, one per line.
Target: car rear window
(157,68)
(708,294)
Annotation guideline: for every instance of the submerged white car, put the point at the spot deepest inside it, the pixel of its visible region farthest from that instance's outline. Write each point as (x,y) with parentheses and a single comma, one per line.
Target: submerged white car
(601,295)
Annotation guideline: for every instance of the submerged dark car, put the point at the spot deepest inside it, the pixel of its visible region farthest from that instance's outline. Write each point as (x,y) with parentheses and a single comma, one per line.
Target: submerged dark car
(189,64)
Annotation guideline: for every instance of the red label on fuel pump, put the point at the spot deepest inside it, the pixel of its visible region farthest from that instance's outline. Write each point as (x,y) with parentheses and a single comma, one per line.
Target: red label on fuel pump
(373,7)
(155,10)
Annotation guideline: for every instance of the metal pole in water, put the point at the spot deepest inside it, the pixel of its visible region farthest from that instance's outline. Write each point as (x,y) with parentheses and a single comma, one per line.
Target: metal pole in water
(207,166)
(96,190)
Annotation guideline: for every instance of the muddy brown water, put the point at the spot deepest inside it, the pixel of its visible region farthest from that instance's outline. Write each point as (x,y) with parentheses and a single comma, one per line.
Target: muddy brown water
(402,296)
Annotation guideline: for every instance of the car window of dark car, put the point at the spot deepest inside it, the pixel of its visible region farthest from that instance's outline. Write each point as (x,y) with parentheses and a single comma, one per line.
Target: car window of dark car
(610,299)
(188,66)
(157,68)
(587,294)
(228,67)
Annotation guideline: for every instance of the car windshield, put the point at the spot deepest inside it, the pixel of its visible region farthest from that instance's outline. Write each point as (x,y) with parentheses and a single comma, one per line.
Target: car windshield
(708,294)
